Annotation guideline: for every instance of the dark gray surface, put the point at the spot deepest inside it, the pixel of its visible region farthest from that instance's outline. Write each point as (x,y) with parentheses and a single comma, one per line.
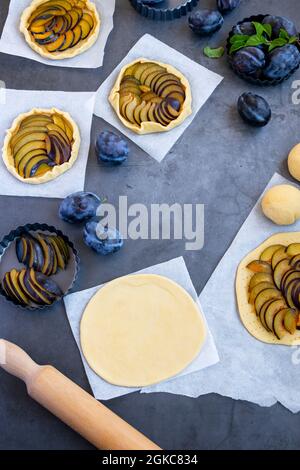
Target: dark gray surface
(218,161)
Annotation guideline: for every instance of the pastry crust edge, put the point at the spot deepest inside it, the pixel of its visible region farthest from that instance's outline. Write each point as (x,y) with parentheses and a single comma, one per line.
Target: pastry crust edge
(148,127)
(81,47)
(58,169)
(246,310)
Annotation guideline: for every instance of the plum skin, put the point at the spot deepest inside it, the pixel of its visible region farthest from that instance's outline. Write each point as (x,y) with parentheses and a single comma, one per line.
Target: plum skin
(278,23)
(151,2)
(249,60)
(254,109)
(111,148)
(79,207)
(225,6)
(245,28)
(111,242)
(282,61)
(205,22)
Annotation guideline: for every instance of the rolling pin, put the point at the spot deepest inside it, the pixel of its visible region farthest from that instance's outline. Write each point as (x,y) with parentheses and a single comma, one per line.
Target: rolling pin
(70,403)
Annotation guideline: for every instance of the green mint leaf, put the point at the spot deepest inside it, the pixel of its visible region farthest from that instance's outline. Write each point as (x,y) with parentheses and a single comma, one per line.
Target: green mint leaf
(284,35)
(265,40)
(239,43)
(214,52)
(259,28)
(239,38)
(279,42)
(255,40)
(293,39)
(235,47)
(268,29)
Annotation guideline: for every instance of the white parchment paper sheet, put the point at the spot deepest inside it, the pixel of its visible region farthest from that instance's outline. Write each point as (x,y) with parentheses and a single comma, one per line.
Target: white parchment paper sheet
(202,81)
(13,42)
(80,106)
(248,369)
(76,303)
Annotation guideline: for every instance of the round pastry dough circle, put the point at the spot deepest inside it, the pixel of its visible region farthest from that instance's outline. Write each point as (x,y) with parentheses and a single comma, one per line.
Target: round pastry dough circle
(141,329)
(81,47)
(246,310)
(148,127)
(58,169)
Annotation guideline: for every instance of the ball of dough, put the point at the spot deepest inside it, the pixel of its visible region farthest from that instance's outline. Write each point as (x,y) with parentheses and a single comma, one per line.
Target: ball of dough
(294,162)
(281,204)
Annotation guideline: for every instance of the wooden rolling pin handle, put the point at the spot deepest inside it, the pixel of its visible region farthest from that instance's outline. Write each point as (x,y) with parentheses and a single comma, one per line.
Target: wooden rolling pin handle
(75,407)
(17,362)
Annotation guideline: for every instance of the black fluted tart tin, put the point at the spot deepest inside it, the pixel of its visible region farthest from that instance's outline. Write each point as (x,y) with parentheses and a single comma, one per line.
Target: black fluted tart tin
(8,260)
(165,10)
(255,80)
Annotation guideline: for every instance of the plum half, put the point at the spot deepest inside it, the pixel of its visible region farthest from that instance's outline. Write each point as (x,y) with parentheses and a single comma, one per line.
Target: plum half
(274,289)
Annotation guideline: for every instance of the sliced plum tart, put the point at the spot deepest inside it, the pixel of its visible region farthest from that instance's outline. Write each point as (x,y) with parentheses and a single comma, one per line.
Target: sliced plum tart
(60,29)
(268,290)
(150,96)
(45,253)
(41,145)
(28,287)
(38,266)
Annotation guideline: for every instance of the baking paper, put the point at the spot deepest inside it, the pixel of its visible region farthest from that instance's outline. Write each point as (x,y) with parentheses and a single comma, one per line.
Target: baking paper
(248,369)
(13,42)
(80,106)
(75,304)
(202,81)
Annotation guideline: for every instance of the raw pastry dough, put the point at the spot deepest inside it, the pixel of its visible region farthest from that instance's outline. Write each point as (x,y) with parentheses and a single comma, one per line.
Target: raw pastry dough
(81,47)
(246,310)
(149,127)
(141,329)
(294,162)
(58,169)
(281,204)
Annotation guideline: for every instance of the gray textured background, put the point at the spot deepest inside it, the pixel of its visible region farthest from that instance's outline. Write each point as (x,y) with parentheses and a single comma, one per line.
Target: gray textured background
(220,162)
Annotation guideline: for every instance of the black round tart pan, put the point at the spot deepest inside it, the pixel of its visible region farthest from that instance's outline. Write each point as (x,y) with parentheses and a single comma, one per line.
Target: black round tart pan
(165,10)
(248,78)
(65,279)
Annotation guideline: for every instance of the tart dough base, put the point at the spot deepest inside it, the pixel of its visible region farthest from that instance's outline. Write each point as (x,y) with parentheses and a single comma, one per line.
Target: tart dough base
(141,329)
(148,127)
(81,47)
(58,169)
(246,310)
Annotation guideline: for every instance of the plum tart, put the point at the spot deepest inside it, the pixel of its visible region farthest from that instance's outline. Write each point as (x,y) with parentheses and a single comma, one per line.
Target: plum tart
(41,145)
(28,287)
(39,266)
(150,96)
(60,29)
(268,290)
(45,253)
